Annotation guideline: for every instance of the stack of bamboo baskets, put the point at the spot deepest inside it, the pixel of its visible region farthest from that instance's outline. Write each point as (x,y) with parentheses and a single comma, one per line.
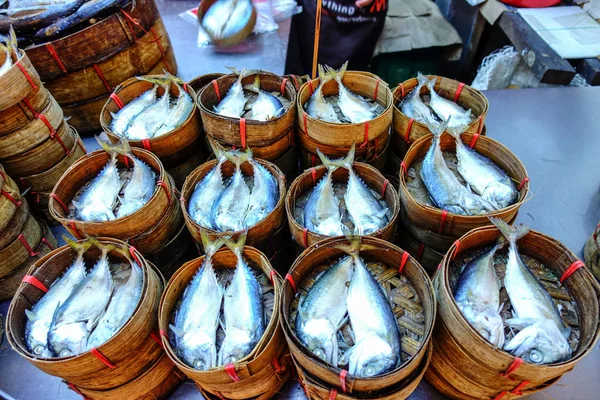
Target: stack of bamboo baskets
(157,229)
(23,239)
(428,232)
(411,298)
(271,140)
(36,143)
(82,69)
(131,364)
(591,252)
(335,139)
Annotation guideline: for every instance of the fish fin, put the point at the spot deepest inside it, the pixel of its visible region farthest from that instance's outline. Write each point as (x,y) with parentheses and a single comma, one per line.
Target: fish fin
(343,322)
(566,332)
(422,80)
(156,81)
(244,156)
(237,247)
(520,323)
(512,233)
(354,245)
(345,162)
(106,248)
(336,349)
(12,41)
(431,85)
(235,70)
(210,247)
(79,247)
(469,113)
(438,129)
(324,76)
(382,213)
(122,147)
(255,86)
(54,317)
(31,315)
(176,331)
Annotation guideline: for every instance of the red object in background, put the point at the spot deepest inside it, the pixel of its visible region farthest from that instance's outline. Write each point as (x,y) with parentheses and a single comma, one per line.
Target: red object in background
(531,3)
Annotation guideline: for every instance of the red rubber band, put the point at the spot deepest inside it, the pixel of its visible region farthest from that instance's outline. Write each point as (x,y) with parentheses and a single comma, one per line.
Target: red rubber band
(569,271)
(146,144)
(163,185)
(54,55)
(443,220)
(517,362)
(278,368)
(162,332)
(405,257)
(295,82)
(283,82)
(289,278)
(102,78)
(102,359)
(27,76)
(216,86)
(36,200)
(420,251)
(332,394)
(403,167)
(45,121)
(343,375)
(456,248)
(30,107)
(64,207)
(480,127)
(305,127)
(366,138)
(155,336)
(525,180)
(376,88)
(10,198)
(47,243)
(501,395)
(305,236)
(74,388)
(32,280)
(459,89)
(313,173)
(75,232)
(401,86)
(132,250)
(520,386)
(313,160)
(311,86)
(474,140)
(25,244)
(243,132)
(135,21)
(384,188)
(408,129)
(115,97)
(230,369)
(272,276)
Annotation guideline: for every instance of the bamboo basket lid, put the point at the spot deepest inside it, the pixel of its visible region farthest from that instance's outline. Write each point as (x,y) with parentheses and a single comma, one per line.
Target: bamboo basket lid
(241,132)
(19,81)
(95,43)
(466,349)
(23,112)
(431,218)
(87,168)
(257,233)
(411,291)
(467,97)
(340,134)
(306,182)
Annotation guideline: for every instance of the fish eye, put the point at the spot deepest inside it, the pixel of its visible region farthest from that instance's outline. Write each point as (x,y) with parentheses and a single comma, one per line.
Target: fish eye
(369,371)
(319,353)
(64,353)
(536,356)
(199,364)
(484,333)
(39,349)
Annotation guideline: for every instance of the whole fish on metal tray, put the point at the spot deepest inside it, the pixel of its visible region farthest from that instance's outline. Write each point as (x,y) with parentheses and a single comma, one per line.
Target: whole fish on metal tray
(317,107)
(231,207)
(147,122)
(178,112)
(477,295)
(29,15)
(322,211)
(443,186)
(243,309)
(354,108)
(74,320)
(40,316)
(234,102)
(413,106)
(123,303)
(264,195)
(206,193)
(266,106)
(366,213)
(197,319)
(10,50)
(125,115)
(377,338)
(322,311)
(483,175)
(97,201)
(542,337)
(445,108)
(140,187)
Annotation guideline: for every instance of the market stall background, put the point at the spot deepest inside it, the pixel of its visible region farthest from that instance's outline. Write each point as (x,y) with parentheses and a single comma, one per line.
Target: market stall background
(551,130)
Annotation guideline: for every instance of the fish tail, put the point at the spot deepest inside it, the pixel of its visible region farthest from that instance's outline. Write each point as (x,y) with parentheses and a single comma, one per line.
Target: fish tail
(512,233)
(210,246)
(105,248)
(330,164)
(156,81)
(324,76)
(337,74)
(237,247)
(219,150)
(438,129)
(12,39)
(422,80)
(122,147)
(431,84)
(457,131)
(354,245)
(255,86)
(79,247)
(244,156)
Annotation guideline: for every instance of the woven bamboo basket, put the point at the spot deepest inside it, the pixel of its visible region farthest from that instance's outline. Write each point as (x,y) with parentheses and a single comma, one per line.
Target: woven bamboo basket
(10,283)
(459,349)
(95,43)
(10,199)
(256,234)
(344,135)
(18,251)
(44,156)
(173,253)
(19,82)
(234,39)
(85,116)
(317,390)
(181,171)
(19,114)
(124,357)
(265,366)
(288,164)
(95,80)
(87,168)
(412,300)
(14,227)
(297,80)
(410,130)
(269,152)
(309,179)
(426,255)
(430,218)
(591,253)
(199,82)
(155,383)
(240,132)
(38,202)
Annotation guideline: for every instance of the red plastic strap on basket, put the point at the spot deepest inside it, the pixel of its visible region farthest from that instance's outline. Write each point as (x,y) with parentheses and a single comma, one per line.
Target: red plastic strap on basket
(30,107)
(161,332)
(305,127)
(401,86)
(146,144)
(24,183)
(64,207)
(74,388)
(277,365)
(420,251)
(459,89)
(474,140)
(36,199)
(27,76)
(32,280)
(230,369)
(132,251)
(456,245)
(569,271)
(45,121)
(155,336)
(289,278)
(102,78)
(272,276)
(243,132)
(480,126)
(403,261)
(517,362)
(282,89)
(156,40)
(185,87)
(135,21)
(366,139)
(102,358)
(384,188)
(55,56)
(519,387)
(443,220)
(310,86)
(47,243)
(408,129)
(343,375)
(62,144)
(216,86)
(75,232)
(313,160)
(333,394)
(25,244)
(10,198)
(295,82)
(403,167)
(115,97)
(376,88)
(305,236)
(163,185)
(523,182)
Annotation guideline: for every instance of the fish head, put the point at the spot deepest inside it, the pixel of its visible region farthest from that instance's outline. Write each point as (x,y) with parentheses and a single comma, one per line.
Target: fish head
(237,345)
(69,339)
(539,343)
(500,195)
(199,350)
(331,226)
(39,345)
(97,212)
(475,205)
(372,356)
(317,334)
(487,323)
